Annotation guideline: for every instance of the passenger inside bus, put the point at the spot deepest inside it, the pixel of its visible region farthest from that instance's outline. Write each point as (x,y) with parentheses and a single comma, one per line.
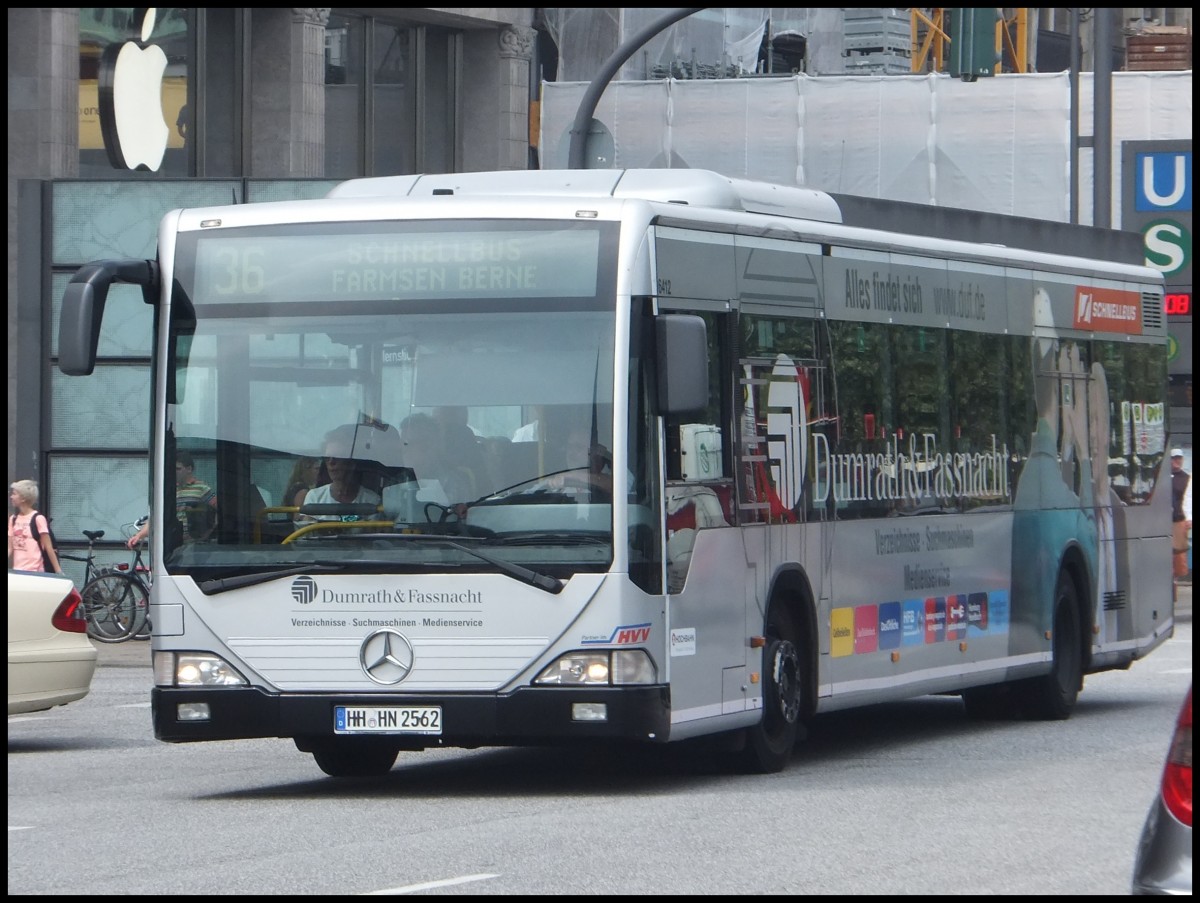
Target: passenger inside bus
(345,474)
(305,475)
(441,476)
(464,455)
(588,468)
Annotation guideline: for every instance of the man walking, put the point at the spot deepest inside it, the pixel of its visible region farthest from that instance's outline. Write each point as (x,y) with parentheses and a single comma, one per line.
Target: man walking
(1181,522)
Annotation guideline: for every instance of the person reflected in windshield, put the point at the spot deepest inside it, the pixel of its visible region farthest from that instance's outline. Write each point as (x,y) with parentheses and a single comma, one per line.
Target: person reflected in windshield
(425,452)
(465,458)
(304,477)
(589,466)
(195,501)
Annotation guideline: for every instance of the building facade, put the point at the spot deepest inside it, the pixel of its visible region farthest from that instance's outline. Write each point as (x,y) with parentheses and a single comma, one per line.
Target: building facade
(258,104)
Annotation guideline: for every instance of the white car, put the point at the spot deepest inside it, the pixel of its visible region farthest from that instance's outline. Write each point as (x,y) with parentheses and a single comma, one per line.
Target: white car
(50,658)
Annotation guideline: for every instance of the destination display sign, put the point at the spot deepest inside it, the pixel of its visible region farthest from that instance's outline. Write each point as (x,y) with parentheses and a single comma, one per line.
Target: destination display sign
(240,267)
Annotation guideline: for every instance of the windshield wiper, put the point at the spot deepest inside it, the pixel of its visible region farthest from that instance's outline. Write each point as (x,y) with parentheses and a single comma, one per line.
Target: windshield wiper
(562,537)
(508,492)
(224,584)
(525,575)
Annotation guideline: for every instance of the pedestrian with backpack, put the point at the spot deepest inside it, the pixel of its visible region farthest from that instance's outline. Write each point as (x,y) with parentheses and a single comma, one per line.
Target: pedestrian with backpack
(30,542)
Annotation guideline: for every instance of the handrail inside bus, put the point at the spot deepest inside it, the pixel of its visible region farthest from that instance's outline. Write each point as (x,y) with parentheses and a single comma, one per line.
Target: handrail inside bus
(338,525)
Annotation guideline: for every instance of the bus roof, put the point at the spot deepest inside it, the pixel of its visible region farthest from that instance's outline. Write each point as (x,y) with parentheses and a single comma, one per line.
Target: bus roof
(690,187)
(704,188)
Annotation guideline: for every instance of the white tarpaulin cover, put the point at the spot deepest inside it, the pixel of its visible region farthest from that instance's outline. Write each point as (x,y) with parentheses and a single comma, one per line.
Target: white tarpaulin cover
(999,144)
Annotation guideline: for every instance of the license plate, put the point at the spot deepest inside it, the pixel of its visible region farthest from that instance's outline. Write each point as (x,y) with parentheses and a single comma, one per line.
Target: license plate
(387,719)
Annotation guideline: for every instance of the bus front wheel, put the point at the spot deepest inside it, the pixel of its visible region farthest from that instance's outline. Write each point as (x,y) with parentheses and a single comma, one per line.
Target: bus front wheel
(769,743)
(348,759)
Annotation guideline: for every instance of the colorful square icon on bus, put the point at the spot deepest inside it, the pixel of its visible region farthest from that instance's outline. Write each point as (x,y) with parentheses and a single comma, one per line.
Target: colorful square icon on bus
(935,619)
(889,625)
(977,614)
(912,622)
(866,629)
(841,632)
(956,617)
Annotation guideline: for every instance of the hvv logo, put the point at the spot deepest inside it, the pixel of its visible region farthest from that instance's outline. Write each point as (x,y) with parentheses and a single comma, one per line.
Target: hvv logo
(625,635)
(1163,181)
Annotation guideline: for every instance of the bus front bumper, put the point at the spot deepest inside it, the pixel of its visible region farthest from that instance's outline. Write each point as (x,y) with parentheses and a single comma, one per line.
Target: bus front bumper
(530,715)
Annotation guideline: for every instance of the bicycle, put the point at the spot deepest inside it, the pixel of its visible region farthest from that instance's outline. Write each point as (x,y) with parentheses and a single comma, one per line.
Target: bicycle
(110,599)
(90,559)
(140,574)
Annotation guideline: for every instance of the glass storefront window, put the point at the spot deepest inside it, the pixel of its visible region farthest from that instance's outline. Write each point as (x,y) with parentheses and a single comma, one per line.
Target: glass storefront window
(345,74)
(103,32)
(385,114)
(440,86)
(218,143)
(393,116)
(390,94)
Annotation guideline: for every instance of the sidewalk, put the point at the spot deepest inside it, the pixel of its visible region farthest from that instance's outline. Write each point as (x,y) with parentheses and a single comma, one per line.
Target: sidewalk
(1183,601)
(130,654)
(136,653)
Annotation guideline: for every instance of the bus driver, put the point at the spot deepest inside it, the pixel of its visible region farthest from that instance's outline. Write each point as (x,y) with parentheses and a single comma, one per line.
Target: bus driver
(345,486)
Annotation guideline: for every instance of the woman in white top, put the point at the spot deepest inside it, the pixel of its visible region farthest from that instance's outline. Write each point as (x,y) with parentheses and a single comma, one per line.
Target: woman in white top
(345,486)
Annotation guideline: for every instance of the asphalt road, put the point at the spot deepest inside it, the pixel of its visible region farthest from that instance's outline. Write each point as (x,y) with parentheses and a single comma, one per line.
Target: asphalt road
(906,798)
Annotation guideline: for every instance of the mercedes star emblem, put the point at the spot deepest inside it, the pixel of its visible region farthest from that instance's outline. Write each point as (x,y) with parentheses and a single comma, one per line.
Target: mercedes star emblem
(386,656)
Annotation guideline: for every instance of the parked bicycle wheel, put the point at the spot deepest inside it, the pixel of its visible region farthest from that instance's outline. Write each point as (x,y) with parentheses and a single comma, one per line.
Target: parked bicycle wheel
(110,603)
(142,626)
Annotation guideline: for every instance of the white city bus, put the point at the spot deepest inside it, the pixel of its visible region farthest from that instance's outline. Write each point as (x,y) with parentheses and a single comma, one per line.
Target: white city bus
(706,461)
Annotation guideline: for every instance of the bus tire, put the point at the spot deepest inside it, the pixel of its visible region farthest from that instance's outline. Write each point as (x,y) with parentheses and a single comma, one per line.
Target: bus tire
(1052,696)
(769,743)
(348,759)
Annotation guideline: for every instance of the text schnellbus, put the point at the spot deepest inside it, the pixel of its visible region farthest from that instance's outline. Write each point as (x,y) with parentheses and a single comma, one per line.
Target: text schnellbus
(913,473)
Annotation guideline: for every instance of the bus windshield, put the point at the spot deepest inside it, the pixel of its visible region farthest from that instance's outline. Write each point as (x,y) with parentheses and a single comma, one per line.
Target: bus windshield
(342,400)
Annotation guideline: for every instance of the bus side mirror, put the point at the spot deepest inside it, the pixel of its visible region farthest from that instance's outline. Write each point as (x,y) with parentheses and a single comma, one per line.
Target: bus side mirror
(682,364)
(79,327)
(83,308)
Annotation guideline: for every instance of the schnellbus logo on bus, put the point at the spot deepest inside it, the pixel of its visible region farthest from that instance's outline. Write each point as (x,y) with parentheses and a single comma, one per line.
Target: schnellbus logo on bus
(1108,310)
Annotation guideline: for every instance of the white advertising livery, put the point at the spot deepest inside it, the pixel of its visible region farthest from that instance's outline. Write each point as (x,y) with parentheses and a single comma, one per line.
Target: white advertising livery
(633,455)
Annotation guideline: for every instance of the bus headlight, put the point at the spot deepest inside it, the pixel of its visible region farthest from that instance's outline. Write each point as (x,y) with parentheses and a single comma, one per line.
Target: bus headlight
(194,669)
(621,667)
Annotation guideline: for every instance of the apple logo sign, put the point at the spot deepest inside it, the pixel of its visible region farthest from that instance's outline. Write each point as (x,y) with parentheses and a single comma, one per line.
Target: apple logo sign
(130,94)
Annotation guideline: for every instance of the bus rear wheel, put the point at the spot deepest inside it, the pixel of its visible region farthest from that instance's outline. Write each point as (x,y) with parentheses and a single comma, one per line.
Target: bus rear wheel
(1052,696)
(347,759)
(769,743)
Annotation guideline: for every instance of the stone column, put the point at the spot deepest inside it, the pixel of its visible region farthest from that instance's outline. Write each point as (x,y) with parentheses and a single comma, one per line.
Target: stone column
(516,50)
(494,98)
(43,143)
(287,93)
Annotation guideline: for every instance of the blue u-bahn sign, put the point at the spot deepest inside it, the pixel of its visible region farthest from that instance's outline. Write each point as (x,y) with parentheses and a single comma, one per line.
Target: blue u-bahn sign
(1162,180)
(1157,196)
(1157,201)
